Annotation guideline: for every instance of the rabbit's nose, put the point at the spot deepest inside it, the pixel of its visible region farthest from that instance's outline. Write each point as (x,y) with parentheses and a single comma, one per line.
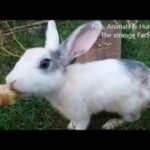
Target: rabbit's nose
(12,86)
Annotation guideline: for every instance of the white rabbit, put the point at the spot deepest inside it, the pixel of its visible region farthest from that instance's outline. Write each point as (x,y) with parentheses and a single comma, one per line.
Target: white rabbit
(80,90)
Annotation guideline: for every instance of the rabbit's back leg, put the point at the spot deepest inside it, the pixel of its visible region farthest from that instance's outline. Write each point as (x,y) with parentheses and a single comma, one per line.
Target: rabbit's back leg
(113,123)
(127,117)
(130,117)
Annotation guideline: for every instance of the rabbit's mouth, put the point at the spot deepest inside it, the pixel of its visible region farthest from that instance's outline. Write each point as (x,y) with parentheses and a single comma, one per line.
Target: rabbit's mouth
(20,93)
(23,94)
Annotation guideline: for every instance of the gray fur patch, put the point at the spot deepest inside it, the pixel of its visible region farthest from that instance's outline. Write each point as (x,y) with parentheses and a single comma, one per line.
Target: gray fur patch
(137,69)
(58,60)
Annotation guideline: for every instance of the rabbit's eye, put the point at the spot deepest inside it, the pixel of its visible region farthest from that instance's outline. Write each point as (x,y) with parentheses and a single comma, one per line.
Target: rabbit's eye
(44,64)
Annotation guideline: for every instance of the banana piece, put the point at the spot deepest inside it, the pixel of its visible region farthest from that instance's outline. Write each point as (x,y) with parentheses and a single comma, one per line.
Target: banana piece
(7,97)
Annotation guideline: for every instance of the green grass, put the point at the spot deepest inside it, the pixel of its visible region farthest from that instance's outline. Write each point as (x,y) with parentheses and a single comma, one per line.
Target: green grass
(35,112)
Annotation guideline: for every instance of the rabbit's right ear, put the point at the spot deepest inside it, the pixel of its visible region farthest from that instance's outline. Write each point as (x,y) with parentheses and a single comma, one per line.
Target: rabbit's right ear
(52,36)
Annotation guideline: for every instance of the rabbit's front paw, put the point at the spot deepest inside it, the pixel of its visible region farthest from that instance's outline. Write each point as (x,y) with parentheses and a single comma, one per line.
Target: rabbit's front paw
(112,123)
(81,125)
(71,126)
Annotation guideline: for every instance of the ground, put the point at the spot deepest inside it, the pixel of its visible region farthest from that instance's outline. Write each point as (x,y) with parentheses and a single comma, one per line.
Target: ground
(36,113)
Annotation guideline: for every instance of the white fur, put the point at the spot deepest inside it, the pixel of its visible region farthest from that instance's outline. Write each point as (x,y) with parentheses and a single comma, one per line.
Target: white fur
(92,87)
(82,89)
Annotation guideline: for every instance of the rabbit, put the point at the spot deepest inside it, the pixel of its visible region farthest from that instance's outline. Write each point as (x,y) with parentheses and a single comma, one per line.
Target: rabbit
(77,90)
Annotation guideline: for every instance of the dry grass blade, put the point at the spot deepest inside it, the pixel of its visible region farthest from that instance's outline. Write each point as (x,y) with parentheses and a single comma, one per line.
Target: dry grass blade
(15,37)
(26,27)
(5,50)
(8,52)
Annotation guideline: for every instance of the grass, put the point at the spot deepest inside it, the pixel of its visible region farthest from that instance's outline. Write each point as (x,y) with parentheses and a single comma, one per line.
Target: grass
(35,113)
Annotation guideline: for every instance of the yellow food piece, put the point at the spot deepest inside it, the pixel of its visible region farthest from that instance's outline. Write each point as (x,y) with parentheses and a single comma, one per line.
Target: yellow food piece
(7,97)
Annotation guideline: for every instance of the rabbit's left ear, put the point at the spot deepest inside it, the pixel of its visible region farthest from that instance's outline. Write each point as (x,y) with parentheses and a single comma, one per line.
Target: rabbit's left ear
(80,41)
(52,37)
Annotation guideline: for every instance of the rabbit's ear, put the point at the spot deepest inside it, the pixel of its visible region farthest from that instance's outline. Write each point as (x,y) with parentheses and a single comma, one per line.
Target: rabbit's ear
(52,37)
(81,40)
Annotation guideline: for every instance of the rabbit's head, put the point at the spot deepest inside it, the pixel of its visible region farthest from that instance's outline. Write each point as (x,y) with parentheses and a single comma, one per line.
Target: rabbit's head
(42,70)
